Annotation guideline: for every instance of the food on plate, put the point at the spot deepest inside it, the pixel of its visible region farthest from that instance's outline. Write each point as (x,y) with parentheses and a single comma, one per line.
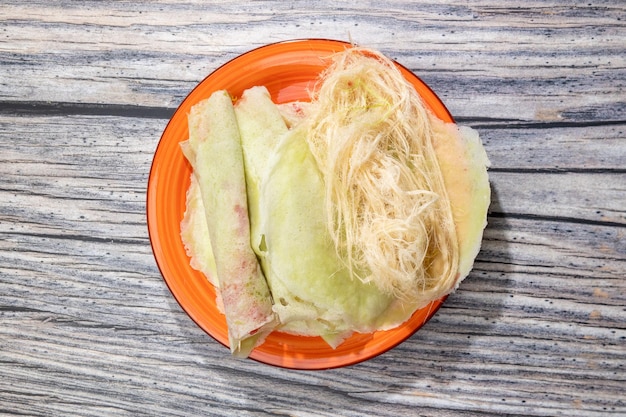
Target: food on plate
(362,205)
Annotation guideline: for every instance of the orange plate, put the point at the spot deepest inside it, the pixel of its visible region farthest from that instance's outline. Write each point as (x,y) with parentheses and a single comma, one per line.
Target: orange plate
(287,69)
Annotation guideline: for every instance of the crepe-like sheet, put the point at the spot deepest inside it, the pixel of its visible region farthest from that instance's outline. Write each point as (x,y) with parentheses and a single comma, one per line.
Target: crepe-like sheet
(313,291)
(215,153)
(261,125)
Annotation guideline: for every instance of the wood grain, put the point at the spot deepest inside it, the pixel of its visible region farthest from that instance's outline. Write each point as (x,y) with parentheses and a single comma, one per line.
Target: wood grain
(87,325)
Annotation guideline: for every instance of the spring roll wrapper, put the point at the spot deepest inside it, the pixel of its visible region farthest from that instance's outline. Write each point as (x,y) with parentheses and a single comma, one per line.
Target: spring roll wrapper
(215,153)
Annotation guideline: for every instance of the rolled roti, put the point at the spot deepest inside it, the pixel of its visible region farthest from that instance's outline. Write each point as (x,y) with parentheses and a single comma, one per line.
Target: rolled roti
(215,153)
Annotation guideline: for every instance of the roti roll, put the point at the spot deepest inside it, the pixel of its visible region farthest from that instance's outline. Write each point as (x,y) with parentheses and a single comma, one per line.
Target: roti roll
(215,153)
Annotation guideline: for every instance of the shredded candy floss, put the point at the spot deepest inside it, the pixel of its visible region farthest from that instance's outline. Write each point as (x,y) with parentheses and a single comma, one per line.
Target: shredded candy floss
(388,211)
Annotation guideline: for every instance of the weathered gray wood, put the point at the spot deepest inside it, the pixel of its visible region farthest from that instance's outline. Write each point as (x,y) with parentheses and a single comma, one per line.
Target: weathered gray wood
(87,325)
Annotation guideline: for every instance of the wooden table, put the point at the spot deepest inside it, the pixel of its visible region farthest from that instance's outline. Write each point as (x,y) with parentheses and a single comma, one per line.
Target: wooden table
(87,325)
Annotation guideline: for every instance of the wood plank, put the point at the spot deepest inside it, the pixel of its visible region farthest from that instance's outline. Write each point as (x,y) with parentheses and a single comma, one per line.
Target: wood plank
(69,336)
(547,50)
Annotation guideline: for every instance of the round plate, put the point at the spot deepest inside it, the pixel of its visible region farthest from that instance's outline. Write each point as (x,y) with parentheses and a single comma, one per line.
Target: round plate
(288,70)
